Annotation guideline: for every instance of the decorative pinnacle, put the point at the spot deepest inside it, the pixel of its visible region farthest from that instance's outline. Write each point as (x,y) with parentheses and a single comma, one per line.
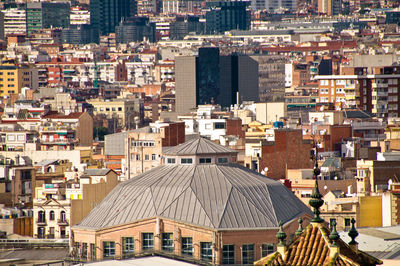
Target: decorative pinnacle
(281,235)
(300,229)
(353,233)
(316,198)
(334,236)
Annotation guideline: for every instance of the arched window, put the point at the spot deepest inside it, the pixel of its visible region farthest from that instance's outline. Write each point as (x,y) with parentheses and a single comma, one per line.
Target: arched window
(62,216)
(41,216)
(52,215)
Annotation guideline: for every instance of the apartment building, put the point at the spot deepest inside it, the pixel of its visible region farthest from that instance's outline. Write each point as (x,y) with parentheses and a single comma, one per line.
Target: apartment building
(14,21)
(13,78)
(130,112)
(370,87)
(58,205)
(145,145)
(65,132)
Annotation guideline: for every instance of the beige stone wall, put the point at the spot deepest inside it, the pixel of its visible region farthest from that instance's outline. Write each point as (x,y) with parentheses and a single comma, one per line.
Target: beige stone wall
(85,130)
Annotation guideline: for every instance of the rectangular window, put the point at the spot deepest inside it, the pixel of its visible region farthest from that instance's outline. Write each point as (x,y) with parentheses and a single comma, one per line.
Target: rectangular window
(219,125)
(109,249)
(84,250)
(128,245)
(206,251)
(137,157)
(146,157)
(347,222)
(187,246)
(168,242)
(92,252)
(267,249)
(148,241)
(205,160)
(170,160)
(186,161)
(119,109)
(153,157)
(248,254)
(228,254)
(222,160)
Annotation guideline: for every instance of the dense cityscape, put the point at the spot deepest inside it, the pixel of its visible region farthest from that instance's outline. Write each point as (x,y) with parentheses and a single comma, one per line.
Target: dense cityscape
(191,132)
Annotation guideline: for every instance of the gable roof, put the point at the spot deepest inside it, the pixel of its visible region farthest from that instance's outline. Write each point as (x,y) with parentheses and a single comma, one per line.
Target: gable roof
(198,146)
(312,247)
(213,196)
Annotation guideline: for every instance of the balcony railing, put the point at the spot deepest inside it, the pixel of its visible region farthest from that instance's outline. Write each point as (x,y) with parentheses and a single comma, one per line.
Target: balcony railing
(41,221)
(62,222)
(55,141)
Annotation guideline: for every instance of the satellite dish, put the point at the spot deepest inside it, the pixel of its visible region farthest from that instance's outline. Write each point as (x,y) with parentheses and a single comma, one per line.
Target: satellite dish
(262,172)
(325,187)
(266,169)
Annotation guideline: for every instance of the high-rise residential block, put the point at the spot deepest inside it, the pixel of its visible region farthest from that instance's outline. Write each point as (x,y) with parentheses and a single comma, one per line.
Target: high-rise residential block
(211,78)
(14,21)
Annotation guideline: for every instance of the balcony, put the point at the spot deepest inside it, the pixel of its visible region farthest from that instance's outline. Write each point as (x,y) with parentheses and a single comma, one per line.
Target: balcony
(59,141)
(63,222)
(41,222)
(379,93)
(379,85)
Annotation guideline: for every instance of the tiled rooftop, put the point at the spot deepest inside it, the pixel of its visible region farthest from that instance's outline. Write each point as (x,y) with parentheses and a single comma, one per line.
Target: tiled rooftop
(313,247)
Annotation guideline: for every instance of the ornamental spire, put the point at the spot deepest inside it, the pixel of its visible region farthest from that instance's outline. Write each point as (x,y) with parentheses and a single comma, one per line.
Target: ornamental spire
(316,198)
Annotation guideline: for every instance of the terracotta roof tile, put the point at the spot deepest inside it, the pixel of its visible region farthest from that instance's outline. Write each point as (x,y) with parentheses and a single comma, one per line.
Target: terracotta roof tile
(312,247)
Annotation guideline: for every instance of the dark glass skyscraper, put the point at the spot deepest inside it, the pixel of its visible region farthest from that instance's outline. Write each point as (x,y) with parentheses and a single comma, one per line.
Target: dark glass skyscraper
(105,15)
(224,16)
(45,15)
(212,78)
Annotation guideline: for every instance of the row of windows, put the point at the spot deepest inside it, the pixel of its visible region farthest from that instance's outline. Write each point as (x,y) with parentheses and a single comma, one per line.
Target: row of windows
(114,109)
(42,216)
(8,73)
(206,253)
(142,144)
(201,160)
(146,157)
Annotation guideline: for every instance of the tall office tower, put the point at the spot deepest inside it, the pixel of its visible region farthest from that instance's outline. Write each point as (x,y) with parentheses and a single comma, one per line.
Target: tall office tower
(225,16)
(14,21)
(106,14)
(330,7)
(274,5)
(135,29)
(211,78)
(41,15)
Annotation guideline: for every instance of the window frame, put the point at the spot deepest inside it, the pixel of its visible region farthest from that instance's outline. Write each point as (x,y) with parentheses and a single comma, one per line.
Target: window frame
(228,254)
(248,254)
(108,249)
(186,245)
(206,253)
(167,244)
(149,241)
(128,247)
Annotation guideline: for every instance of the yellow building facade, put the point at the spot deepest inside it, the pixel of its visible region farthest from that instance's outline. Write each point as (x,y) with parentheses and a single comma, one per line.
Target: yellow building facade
(13,78)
